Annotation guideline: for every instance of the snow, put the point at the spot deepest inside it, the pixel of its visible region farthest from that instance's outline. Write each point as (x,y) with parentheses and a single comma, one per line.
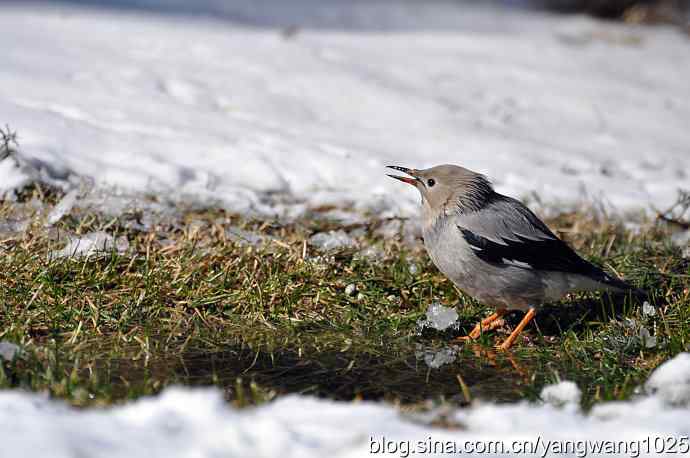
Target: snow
(332,240)
(12,176)
(63,207)
(183,422)
(671,380)
(232,112)
(91,244)
(438,317)
(237,112)
(561,394)
(350,289)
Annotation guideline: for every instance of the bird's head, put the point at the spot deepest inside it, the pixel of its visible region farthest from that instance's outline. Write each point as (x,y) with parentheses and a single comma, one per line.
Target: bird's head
(447,187)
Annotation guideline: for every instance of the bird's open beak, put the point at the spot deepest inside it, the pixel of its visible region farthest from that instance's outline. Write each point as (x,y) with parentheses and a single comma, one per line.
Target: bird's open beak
(413,181)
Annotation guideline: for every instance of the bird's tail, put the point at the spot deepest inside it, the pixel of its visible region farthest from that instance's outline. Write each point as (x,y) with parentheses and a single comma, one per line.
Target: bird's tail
(617,285)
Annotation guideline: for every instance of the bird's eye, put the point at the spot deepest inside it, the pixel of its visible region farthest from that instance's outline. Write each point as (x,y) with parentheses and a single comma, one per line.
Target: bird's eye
(430,182)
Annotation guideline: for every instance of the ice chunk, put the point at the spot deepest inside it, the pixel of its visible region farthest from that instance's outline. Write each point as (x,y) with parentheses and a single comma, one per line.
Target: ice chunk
(63,207)
(439,317)
(333,240)
(671,380)
(648,309)
(9,350)
(350,289)
(94,243)
(562,394)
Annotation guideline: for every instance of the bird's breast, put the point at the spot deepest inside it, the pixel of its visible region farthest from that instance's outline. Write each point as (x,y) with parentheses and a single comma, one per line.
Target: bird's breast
(501,286)
(450,252)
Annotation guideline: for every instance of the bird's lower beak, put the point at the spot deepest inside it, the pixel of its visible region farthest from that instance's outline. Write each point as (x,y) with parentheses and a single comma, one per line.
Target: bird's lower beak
(413,181)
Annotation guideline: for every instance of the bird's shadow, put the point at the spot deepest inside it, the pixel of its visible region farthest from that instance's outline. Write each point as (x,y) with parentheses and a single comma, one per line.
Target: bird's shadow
(575,315)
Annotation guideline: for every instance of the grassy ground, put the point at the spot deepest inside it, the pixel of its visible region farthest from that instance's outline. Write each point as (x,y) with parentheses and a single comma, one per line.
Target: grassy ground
(186,302)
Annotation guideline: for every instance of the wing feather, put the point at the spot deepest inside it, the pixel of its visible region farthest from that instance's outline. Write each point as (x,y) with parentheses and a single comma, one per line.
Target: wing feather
(505,232)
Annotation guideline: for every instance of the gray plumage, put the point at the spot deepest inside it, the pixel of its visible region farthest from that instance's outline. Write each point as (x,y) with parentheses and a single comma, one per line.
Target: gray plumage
(493,247)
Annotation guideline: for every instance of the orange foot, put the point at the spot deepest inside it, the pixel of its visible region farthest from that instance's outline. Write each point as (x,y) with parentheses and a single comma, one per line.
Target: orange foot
(511,338)
(487,324)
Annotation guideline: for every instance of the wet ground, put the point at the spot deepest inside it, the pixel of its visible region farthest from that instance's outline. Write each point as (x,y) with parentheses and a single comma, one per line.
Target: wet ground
(251,366)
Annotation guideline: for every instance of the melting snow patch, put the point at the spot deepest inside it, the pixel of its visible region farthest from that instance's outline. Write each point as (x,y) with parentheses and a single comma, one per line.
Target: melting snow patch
(198,422)
(238,135)
(561,394)
(671,380)
(333,240)
(95,243)
(12,176)
(438,317)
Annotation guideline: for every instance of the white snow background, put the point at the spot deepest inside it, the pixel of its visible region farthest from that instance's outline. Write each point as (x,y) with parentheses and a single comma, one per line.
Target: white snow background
(182,422)
(231,109)
(234,109)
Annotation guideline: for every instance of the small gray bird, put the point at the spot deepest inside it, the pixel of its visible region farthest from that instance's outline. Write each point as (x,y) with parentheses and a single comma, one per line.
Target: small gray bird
(495,249)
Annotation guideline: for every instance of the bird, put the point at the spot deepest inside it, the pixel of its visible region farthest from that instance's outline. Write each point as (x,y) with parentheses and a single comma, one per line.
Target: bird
(495,249)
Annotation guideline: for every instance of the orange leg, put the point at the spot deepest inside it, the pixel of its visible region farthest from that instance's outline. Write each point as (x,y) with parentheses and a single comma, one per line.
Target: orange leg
(487,324)
(511,338)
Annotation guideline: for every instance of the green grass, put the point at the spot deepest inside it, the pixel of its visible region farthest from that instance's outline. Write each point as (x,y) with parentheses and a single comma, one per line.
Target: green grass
(186,305)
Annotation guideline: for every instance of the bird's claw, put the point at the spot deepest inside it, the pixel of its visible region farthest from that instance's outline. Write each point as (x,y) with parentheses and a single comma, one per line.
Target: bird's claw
(464,338)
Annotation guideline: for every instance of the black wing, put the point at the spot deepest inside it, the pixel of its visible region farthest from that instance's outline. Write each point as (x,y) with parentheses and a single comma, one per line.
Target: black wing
(544,254)
(506,233)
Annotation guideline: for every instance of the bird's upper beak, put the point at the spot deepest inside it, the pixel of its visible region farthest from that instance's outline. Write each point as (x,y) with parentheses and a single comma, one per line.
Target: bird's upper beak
(412,172)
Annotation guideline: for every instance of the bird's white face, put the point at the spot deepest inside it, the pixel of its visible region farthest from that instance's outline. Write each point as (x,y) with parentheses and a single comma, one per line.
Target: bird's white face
(438,185)
(448,188)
